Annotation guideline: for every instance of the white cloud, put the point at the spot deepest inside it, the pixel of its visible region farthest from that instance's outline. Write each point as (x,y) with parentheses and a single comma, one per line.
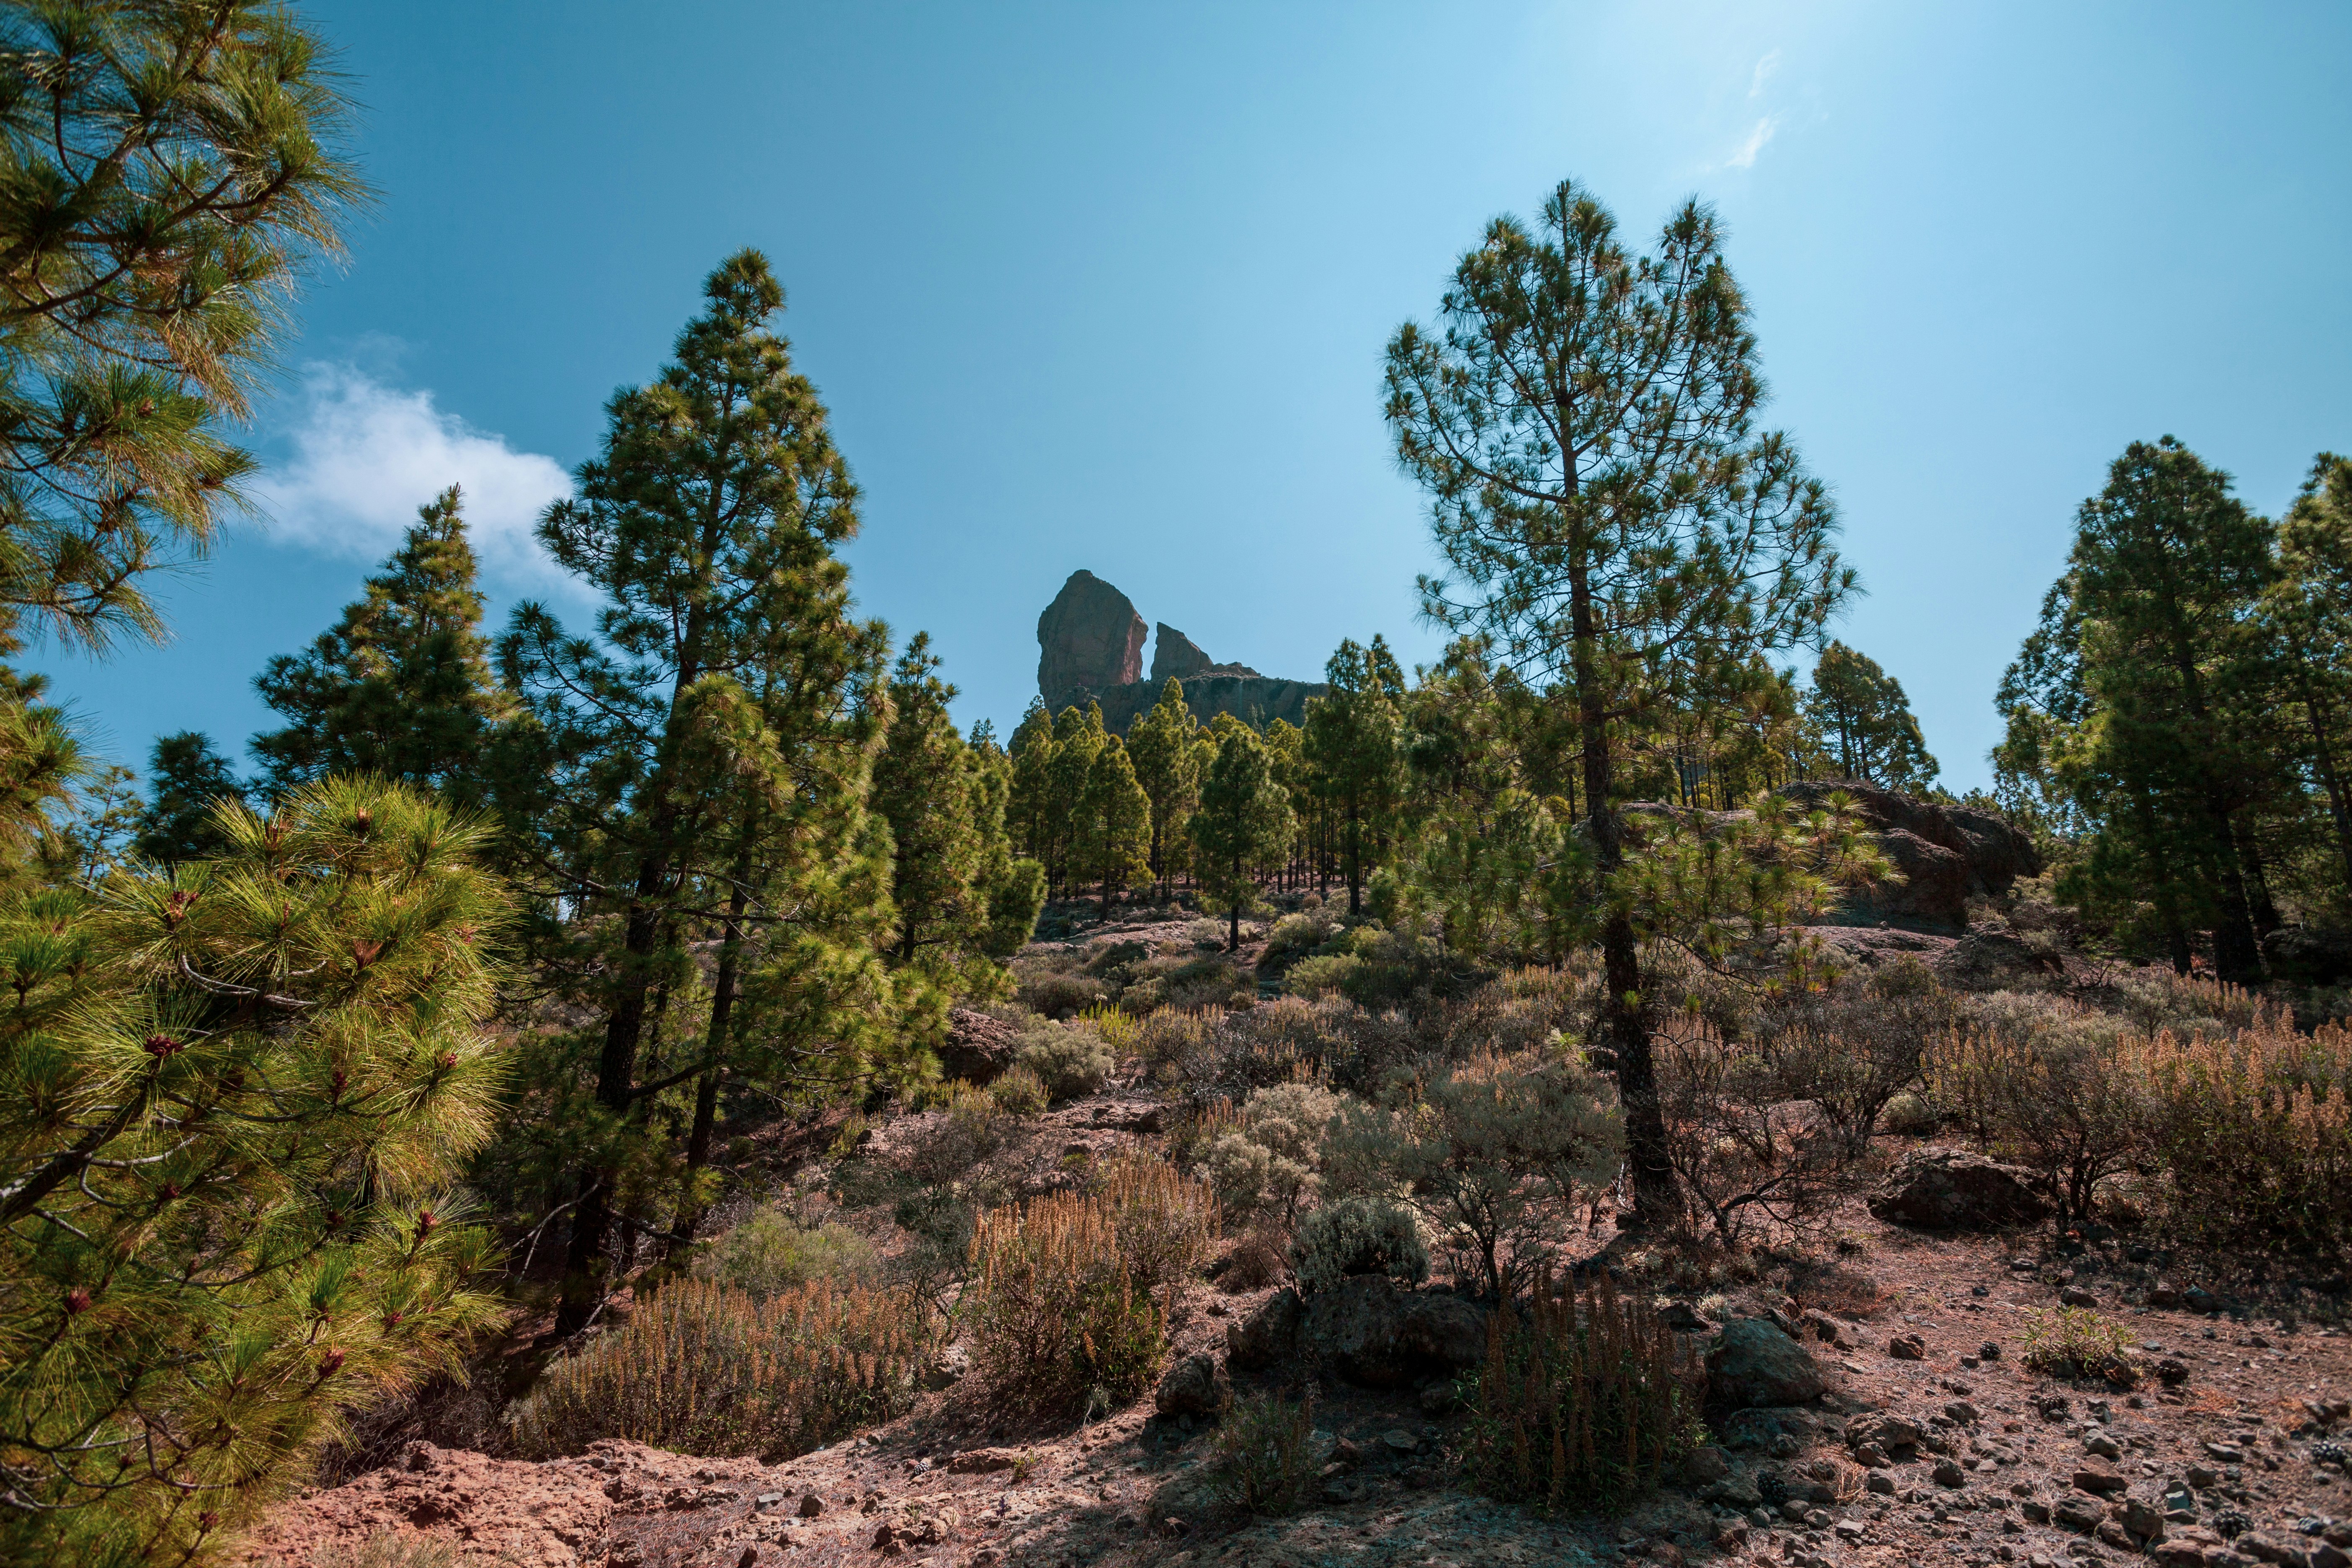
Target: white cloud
(1764,69)
(1745,158)
(366,455)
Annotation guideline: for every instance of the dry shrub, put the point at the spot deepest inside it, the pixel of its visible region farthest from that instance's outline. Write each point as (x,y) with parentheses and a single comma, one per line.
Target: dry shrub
(702,1367)
(1584,1401)
(1179,1047)
(2257,1131)
(2051,1085)
(1269,1158)
(1060,1304)
(973,1127)
(1744,1147)
(1837,1289)
(1264,1458)
(390,1549)
(1495,1152)
(1854,1046)
(1257,1260)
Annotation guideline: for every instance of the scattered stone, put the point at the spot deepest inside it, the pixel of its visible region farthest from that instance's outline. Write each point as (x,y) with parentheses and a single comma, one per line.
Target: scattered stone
(971,1462)
(1907,1347)
(1197,1385)
(1268,1336)
(2075,1295)
(1751,1363)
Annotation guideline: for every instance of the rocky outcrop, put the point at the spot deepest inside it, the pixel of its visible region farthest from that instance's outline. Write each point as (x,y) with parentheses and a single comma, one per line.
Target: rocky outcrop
(978,1048)
(1090,649)
(1175,656)
(1942,856)
(1376,1335)
(1196,1385)
(1951,1189)
(1256,698)
(1089,638)
(2304,956)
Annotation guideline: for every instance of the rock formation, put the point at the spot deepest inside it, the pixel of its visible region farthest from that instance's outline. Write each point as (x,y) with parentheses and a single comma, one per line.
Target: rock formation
(1175,656)
(1090,649)
(1942,854)
(1088,639)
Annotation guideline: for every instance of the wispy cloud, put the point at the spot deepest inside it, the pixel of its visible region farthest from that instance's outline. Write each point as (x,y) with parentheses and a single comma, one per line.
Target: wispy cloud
(365,456)
(1764,69)
(1745,158)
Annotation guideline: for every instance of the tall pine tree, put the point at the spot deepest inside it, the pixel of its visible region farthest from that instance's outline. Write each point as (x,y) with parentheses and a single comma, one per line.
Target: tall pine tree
(717,732)
(1615,525)
(401,686)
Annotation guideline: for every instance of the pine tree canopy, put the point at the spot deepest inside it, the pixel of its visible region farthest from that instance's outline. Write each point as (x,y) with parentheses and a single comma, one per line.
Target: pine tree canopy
(187,781)
(237,1096)
(401,688)
(167,172)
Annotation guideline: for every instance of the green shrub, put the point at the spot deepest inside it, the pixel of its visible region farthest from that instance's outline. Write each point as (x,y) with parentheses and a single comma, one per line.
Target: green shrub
(1909,1115)
(1495,1152)
(1264,1456)
(1210,980)
(1295,937)
(1269,1159)
(1582,1404)
(2078,1344)
(771,1252)
(1070,1061)
(1358,1235)
(701,1367)
(1019,1092)
(1332,974)
(1062,995)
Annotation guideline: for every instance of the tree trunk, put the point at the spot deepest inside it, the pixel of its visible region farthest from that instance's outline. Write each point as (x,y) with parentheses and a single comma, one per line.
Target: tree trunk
(2323,740)
(722,1008)
(1624,1020)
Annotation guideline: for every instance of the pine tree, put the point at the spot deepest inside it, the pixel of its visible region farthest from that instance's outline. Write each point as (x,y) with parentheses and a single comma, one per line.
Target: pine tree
(1243,822)
(1615,525)
(2166,571)
(1864,723)
(186,780)
(945,804)
(1161,745)
(171,171)
(1078,738)
(1114,835)
(1355,754)
(717,732)
(2310,616)
(242,1092)
(401,686)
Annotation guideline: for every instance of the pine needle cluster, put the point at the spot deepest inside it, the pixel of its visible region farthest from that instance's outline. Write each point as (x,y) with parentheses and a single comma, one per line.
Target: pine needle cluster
(229,1099)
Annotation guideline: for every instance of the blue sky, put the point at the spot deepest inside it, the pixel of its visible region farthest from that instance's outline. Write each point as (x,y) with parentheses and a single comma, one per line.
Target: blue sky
(1107,286)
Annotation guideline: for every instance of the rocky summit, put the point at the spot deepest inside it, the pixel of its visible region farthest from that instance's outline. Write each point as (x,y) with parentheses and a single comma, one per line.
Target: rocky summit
(1090,649)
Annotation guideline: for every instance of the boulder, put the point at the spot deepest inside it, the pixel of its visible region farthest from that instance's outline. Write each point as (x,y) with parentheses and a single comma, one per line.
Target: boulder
(1753,1364)
(1088,637)
(1175,656)
(1992,960)
(1943,854)
(1376,1335)
(2303,956)
(978,1048)
(1951,1189)
(1197,1385)
(1267,1336)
